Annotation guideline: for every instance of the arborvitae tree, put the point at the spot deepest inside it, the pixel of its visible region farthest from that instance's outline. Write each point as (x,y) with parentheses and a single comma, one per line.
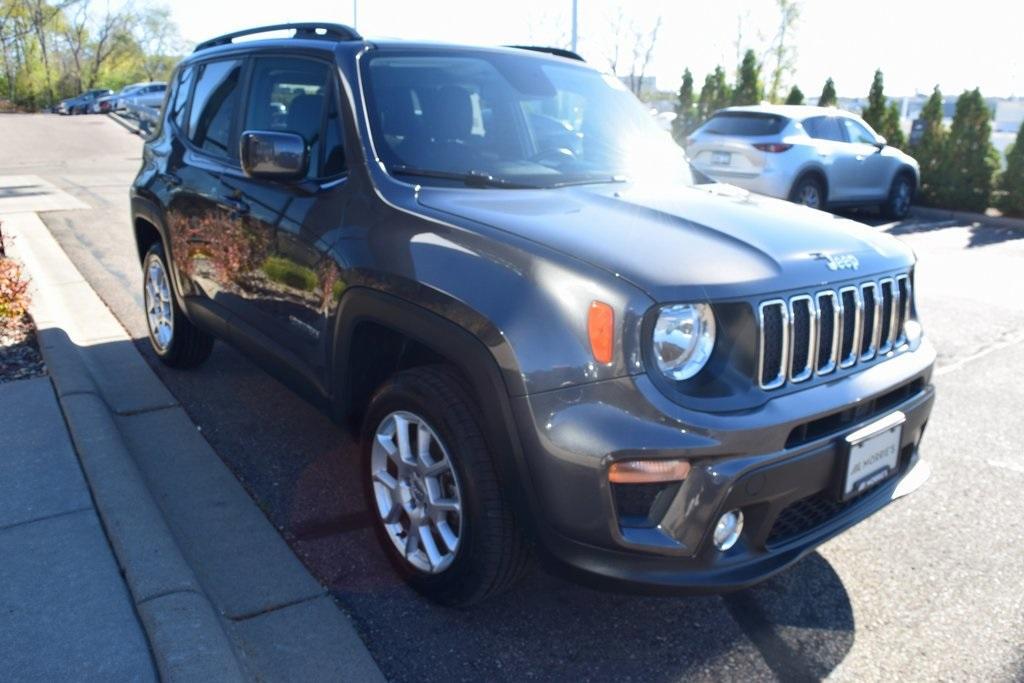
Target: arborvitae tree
(828,95)
(715,95)
(970,160)
(930,148)
(686,109)
(795,96)
(891,128)
(874,113)
(1011,183)
(749,89)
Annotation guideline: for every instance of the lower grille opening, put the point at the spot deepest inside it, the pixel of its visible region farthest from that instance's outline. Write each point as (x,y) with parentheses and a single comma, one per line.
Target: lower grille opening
(643,505)
(810,513)
(838,421)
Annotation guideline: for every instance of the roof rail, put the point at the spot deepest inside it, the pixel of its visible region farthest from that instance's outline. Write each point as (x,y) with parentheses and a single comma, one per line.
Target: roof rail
(302,30)
(557,51)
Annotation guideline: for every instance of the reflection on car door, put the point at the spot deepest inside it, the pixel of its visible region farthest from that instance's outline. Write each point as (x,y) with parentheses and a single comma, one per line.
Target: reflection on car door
(293,284)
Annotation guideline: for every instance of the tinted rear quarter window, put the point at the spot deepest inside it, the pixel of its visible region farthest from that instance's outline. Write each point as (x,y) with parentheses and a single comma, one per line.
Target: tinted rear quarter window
(745,125)
(214,105)
(824,128)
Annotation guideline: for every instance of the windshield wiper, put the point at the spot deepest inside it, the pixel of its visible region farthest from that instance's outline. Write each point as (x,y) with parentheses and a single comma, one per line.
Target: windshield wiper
(591,180)
(470,178)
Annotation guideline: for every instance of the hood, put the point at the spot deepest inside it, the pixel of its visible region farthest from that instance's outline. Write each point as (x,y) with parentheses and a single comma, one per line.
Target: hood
(677,243)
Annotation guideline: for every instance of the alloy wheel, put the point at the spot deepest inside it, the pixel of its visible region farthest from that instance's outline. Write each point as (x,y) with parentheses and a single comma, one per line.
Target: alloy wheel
(416,491)
(901,202)
(809,196)
(159,305)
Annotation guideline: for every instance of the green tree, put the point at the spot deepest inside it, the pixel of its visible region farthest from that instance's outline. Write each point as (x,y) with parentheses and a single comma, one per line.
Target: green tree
(892,129)
(874,113)
(930,147)
(714,95)
(828,95)
(795,96)
(1011,183)
(686,109)
(969,161)
(749,88)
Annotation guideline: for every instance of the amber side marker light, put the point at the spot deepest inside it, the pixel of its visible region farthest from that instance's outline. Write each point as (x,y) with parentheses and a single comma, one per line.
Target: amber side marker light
(601,329)
(648,471)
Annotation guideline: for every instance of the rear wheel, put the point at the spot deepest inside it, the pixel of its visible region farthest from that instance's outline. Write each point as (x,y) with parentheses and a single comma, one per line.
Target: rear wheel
(431,482)
(172,336)
(810,192)
(897,205)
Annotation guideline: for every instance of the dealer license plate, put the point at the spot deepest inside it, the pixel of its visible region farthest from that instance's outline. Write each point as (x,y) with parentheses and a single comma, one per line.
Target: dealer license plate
(873,454)
(721,158)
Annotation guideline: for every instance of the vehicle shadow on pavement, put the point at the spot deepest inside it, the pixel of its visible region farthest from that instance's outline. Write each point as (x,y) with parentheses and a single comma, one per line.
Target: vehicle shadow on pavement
(980,233)
(303,471)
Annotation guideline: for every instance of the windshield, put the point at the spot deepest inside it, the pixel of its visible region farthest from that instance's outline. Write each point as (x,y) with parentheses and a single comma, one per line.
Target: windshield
(515,120)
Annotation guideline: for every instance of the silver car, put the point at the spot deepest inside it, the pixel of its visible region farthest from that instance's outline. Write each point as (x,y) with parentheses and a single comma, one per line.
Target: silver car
(148,95)
(818,156)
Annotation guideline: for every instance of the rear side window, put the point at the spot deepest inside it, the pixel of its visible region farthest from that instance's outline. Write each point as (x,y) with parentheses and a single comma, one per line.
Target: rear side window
(745,124)
(214,105)
(176,111)
(824,128)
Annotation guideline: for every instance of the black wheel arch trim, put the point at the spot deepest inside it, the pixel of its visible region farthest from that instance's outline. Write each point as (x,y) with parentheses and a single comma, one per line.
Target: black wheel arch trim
(813,170)
(463,350)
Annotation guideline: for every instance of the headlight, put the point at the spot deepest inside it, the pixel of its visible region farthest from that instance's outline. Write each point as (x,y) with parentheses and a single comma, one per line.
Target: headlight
(684,336)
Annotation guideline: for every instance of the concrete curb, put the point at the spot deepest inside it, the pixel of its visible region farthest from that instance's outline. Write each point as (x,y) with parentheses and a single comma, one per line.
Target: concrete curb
(932,214)
(219,592)
(186,636)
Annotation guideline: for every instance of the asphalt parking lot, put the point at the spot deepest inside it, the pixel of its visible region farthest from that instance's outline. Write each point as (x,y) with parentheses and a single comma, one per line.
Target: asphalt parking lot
(930,588)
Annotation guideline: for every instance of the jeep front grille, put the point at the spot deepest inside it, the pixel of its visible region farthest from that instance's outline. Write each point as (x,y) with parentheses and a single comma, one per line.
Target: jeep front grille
(807,335)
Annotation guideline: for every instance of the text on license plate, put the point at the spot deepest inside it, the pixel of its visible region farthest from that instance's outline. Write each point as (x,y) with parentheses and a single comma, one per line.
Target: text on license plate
(874,453)
(721,158)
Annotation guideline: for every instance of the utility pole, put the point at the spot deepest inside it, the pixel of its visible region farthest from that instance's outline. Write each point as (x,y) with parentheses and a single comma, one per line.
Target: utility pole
(575,24)
(355,14)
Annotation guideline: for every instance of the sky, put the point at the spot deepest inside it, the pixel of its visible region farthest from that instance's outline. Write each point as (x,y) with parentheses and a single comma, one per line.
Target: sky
(917,43)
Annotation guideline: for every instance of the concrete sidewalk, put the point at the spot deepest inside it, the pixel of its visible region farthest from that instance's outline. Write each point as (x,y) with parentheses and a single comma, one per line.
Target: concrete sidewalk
(65,610)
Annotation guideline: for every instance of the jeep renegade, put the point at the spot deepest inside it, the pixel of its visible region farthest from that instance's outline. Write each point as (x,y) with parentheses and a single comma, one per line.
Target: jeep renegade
(552,334)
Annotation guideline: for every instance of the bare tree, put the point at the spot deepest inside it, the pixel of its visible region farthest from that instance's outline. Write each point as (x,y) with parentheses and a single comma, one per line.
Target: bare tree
(782,51)
(160,41)
(634,45)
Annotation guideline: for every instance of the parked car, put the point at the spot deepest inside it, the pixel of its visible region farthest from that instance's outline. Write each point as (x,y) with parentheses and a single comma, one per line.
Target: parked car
(115,102)
(148,95)
(82,103)
(821,157)
(549,332)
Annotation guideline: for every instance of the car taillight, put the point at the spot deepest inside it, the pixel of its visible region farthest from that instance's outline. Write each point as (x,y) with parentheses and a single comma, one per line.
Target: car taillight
(773,147)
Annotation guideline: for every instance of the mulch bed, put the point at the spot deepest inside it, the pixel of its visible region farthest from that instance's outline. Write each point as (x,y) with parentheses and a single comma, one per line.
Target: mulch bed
(19,354)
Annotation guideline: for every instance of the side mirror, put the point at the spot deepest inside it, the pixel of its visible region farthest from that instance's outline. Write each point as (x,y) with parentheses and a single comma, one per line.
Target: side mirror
(880,142)
(268,154)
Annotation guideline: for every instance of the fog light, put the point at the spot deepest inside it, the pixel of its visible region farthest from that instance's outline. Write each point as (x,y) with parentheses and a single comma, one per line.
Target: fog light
(728,529)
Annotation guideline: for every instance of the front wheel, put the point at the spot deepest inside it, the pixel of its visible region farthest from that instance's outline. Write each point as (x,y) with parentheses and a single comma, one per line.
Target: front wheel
(172,336)
(432,485)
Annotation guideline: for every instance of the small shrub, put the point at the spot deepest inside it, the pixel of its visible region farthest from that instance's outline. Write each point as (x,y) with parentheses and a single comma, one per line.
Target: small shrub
(290,274)
(13,294)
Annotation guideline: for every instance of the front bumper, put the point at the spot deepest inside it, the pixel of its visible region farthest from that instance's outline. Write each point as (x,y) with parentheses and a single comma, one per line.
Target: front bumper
(749,460)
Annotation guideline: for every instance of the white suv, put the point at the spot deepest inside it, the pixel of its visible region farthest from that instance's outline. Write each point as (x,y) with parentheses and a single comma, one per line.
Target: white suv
(817,156)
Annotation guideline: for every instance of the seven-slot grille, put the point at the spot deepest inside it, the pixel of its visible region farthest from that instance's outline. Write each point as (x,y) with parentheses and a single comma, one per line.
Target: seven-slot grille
(814,334)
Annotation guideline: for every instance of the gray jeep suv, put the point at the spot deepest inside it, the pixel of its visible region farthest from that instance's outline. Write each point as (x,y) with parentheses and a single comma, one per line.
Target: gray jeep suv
(553,336)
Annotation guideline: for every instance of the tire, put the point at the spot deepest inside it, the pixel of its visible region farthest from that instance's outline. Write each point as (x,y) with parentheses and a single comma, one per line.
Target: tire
(901,193)
(809,191)
(172,336)
(490,552)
